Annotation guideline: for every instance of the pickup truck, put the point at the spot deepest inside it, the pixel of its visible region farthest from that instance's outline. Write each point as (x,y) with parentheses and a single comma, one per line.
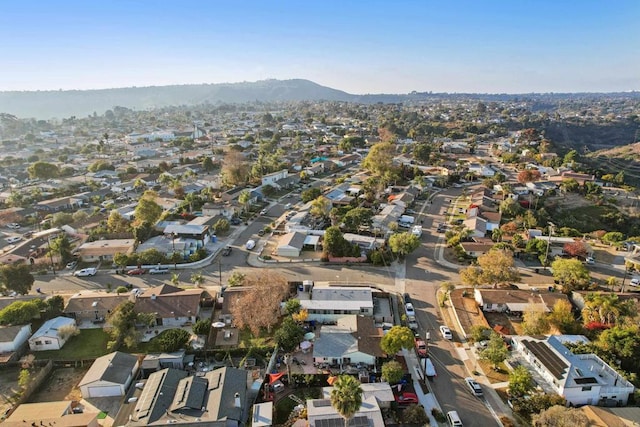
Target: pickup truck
(159,270)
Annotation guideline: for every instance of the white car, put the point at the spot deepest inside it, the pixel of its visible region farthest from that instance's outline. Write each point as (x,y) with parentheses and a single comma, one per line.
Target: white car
(250,244)
(13,239)
(158,270)
(446,332)
(14,225)
(91,271)
(408,307)
(590,260)
(635,281)
(474,386)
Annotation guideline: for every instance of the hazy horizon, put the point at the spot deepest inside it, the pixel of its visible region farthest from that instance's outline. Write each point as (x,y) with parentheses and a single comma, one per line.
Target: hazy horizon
(466,47)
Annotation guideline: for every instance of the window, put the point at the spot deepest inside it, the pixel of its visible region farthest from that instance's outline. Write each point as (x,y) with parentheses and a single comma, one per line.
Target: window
(47,341)
(38,342)
(587,388)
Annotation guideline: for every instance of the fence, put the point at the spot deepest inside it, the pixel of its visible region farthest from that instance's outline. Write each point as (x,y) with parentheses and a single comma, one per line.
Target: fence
(35,383)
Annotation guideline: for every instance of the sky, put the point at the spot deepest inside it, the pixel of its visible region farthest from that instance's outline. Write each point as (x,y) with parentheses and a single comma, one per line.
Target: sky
(368,46)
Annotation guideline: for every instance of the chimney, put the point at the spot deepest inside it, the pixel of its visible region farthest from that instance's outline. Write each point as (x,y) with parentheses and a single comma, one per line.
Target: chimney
(236,402)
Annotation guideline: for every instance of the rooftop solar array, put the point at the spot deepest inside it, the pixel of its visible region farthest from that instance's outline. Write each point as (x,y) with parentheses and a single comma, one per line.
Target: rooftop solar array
(339,422)
(549,359)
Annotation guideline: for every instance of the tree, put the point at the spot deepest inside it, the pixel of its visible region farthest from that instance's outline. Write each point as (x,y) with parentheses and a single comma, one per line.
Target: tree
(607,309)
(292,306)
(61,218)
(397,338)
(621,343)
(121,290)
(562,318)
(54,305)
(61,246)
(24,378)
(356,218)
(120,259)
(520,381)
(310,194)
(560,416)
(116,223)
(146,319)
(16,277)
(259,307)
(197,278)
(534,321)
(19,313)
(320,207)
(173,340)
(392,372)
(496,352)
(221,226)
(268,190)
(415,415)
(379,161)
(570,273)
(403,244)
(147,210)
(43,170)
(122,329)
(613,237)
(494,267)
(236,279)
(244,199)
(202,327)
(335,244)
(207,164)
(422,153)
(479,332)
(301,316)
(576,249)
(289,335)
(346,397)
(528,175)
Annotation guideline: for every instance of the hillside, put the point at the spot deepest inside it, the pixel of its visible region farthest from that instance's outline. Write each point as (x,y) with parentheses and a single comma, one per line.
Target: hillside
(47,104)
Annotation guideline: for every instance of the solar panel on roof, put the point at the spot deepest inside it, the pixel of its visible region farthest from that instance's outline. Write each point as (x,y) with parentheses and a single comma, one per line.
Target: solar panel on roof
(549,359)
(360,421)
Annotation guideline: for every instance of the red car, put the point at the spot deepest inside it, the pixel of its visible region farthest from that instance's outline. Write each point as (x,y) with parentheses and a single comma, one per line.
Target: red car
(406,398)
(136,272)
(421,348)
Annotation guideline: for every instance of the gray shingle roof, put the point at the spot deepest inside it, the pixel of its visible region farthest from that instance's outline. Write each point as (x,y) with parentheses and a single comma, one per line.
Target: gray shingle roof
(113,367)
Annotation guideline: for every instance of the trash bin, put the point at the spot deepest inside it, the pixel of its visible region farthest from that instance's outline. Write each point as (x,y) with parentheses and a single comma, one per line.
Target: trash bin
(537,270)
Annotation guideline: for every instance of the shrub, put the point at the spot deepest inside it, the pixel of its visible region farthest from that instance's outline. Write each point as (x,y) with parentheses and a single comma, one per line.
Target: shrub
(438,415)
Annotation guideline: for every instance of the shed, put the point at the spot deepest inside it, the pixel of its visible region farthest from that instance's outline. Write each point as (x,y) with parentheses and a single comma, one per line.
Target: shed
(48,337)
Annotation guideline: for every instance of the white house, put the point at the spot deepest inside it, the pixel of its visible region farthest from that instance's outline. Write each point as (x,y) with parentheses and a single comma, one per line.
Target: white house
(481,170)
(582,379)
(110,375)
(353,340)
(291,244)
(13,337)
(273,177)
(324,302)
(48,337)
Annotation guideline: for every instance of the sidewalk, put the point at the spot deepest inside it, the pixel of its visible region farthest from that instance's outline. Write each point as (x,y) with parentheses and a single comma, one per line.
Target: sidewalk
(428,401)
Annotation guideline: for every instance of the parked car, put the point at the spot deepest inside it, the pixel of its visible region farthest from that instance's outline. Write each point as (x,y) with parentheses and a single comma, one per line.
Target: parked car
(13,225)
(408,307)
(136,272)
(635,281)
(13,239)
(590,260)
(71,265)
(28,234)
(250,244)
(406,398)
(287,206)
(261,233)
(421,348)
(474,386)
(235,221)
(91,271)
(454,419)
(158,270)
(263,212)
(446,332)
(226,251)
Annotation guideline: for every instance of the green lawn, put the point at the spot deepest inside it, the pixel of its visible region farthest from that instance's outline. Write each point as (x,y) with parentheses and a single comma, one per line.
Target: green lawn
(247,340)
(89,344)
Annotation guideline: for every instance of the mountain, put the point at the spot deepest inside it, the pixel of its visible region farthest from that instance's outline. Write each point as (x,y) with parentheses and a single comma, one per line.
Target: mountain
(65,103)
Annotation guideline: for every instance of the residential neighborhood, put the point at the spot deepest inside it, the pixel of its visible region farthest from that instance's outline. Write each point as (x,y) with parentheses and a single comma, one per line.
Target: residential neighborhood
(246,264)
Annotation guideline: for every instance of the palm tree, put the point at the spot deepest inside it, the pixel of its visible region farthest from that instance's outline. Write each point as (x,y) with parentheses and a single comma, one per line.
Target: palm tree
(346,397)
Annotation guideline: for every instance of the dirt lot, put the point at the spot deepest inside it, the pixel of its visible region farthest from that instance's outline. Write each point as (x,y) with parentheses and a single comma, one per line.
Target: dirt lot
(61,385)
(8,387)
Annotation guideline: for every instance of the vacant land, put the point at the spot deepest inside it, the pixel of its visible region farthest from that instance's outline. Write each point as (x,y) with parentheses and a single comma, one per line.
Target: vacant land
(61,385)
(8,387)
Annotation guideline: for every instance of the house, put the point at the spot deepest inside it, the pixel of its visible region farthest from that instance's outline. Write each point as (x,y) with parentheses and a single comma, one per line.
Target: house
(12,340)
(611,417)
(477,225)
(367,243)
(171,396)
(272,178)
(104,250)
(481,170)
(59,414)
(321,413)
(221,208)
(59,204)
(198,232)
(353,340)
(172,306)
(291,244)
(49,336)
(517,300)
(479,246)
(390,213)
(582,379)
(326,302)
(92,308)
(109,375)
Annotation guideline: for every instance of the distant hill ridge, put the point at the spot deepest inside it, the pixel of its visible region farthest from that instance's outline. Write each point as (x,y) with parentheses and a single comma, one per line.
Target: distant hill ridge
(66,103)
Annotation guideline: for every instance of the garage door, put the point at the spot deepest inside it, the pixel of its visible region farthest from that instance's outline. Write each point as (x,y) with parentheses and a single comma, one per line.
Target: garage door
(104,391)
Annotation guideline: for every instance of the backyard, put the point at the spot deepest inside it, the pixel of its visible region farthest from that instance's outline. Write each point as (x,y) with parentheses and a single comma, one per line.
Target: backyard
(88,344)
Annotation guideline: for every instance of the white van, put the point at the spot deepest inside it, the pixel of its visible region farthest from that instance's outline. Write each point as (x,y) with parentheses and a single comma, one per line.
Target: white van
(250,244)
(454,419)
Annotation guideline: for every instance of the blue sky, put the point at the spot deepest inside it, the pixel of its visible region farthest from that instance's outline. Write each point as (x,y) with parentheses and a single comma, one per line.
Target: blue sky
(391,46)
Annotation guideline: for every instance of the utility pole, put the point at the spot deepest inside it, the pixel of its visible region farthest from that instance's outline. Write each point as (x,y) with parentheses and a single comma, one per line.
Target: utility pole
(546,256)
